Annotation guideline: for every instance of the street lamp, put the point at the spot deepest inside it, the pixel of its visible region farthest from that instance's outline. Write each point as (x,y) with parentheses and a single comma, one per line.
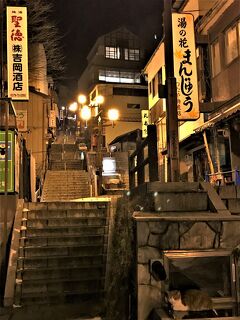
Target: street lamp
(82,99)
(73,107)
(85,113)
(113,115)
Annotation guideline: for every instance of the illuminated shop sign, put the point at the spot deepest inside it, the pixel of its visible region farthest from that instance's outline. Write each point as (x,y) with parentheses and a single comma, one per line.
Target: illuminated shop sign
(17,53)
(185,66)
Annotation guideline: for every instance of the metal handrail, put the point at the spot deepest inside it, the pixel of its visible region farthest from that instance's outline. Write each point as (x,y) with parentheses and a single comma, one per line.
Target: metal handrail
(221,175)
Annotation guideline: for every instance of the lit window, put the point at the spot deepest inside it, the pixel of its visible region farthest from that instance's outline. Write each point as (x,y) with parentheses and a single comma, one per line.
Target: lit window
(112,52)
(131,54)
(119,77)
(231,44)
(216,64)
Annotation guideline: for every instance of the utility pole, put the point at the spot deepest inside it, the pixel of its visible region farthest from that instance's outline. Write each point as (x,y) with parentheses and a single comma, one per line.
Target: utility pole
(172,118)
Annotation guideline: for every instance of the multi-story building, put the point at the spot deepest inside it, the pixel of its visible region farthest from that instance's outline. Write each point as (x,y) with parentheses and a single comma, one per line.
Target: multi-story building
(114,71)
(209,144)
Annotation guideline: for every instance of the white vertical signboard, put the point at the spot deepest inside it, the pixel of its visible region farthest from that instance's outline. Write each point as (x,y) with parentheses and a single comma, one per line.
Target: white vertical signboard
(17,53)
(52,119)
(185,66)
(145,122)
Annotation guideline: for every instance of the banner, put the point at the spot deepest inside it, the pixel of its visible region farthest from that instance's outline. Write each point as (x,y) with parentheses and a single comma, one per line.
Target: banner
(185,66)
(17,53)
(145,122)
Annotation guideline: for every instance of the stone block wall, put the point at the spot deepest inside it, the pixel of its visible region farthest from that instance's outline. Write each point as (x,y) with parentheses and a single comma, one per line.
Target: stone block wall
(155,234)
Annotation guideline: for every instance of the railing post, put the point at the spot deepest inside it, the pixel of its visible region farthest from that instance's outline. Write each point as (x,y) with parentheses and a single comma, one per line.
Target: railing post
(152,153)
(131,174)
(237,177)
(206,177)
(140,158)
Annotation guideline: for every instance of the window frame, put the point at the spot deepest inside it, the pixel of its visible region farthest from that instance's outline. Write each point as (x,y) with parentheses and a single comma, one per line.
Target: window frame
(131,54)
(112,52)
(234,27)
(215,70)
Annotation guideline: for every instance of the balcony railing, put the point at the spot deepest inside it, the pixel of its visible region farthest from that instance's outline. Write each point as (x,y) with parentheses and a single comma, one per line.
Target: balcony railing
(138,161)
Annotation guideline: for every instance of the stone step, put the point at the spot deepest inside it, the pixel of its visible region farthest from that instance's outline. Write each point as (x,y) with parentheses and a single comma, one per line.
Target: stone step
(58,231)
(92,272)
(55,147)
(58,286)
(68,180)
(73,213)
(62,240)
(46,251)
(75,187)
(69,222)
(180,201)
(69,148)
(61,261)
(85,301)
(97,203)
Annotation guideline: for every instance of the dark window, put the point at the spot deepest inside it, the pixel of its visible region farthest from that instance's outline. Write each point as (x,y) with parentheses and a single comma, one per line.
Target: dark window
(160,80)
(132,54)
(130,92)
(133,106)
(153,87)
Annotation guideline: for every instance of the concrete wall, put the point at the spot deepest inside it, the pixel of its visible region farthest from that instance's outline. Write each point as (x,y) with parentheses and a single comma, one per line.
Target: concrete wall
(37,108)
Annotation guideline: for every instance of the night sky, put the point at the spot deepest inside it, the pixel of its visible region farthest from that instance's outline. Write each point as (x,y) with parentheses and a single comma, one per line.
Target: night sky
(81,22)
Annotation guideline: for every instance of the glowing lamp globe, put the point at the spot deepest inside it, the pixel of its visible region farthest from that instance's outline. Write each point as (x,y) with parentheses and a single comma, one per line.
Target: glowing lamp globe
(113,114)
(85,113)
(82,99)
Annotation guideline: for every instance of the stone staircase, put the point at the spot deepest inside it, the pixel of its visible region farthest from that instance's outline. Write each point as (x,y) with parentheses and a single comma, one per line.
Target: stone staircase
(230,194)
(179,199)
(62,254)
(66,157)
(65,185)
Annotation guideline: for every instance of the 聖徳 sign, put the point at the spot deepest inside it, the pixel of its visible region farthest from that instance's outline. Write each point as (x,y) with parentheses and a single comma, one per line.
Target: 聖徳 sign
(17,53)
(185,66)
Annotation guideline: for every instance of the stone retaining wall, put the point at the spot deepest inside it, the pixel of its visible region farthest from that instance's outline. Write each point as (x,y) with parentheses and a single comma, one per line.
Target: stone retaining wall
(155,234)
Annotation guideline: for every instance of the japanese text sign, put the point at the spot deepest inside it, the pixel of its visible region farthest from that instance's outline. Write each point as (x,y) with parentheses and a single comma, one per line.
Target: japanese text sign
(185,66)
(17,53)
(52,119)
(22,120)
(145,122)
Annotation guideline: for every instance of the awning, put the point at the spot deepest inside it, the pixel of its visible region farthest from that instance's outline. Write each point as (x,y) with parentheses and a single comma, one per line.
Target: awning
(221,115)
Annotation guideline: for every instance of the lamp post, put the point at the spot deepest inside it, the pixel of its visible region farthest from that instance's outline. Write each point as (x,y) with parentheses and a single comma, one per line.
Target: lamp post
(98,102)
